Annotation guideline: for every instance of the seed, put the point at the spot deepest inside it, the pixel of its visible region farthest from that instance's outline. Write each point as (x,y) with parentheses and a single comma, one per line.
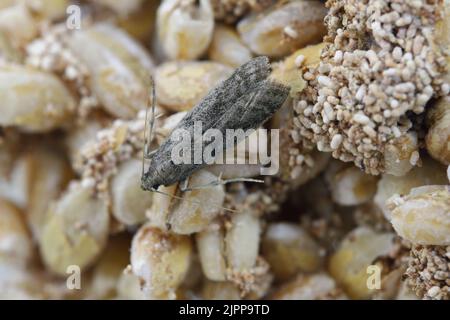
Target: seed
(434,291)
(316,286)
(326,82)
(361,118)
(438,136)
(405,87)
(336,141)
(194,212)
(75,231)
(220,291)
(299,60)
(288,30)
(227,48)
(264,33)
(129,201)
(119,68)
(415,156)
(18,24)
(290,250)
(430,173)
(32,100)
(397,54)
(184,31)
(49,9)
(49,175)
(211,248)
(338,56)
(350,186)
(361,93)
(15,241)
(18,282)
(15,176)
(423,216)
(287,71)
(161,260)
(348,265)
(108,270)
(242,242)
(121,7)
(181,85)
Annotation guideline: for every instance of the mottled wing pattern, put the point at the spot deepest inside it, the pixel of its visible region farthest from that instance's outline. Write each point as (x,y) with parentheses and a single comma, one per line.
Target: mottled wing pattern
(222,98)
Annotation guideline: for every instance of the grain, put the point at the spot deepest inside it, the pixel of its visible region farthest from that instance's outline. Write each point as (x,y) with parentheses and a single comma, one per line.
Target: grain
(289,250)
(264,33)
(33,101)
(160,260)
(76,230)
(181,85)
(422,216)
(185,28)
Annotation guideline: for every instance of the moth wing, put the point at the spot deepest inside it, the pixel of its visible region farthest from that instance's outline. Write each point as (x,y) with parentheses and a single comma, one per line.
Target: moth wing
(221,109)
(253,109)
(221,99)
(268,99)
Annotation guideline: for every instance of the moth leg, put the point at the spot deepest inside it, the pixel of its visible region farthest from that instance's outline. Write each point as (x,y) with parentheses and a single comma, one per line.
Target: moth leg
(148,154)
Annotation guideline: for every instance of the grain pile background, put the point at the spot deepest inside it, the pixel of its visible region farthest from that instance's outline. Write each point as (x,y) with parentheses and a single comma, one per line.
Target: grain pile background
(364,151)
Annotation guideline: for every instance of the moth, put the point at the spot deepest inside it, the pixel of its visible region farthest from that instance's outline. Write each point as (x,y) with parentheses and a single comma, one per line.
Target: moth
(245,101)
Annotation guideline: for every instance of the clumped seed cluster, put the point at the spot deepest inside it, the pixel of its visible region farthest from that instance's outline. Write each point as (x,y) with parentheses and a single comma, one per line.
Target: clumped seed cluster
(380,67)
(428,271)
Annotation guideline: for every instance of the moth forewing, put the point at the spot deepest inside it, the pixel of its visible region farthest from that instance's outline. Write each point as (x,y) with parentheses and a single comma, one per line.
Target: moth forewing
(244,101)
(221,99)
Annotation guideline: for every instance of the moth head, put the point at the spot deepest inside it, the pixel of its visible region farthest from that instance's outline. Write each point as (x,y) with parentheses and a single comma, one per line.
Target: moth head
(150,180)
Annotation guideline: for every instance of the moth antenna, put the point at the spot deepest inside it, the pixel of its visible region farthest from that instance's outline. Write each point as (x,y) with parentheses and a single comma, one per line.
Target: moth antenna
(149,128)
(191,201)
